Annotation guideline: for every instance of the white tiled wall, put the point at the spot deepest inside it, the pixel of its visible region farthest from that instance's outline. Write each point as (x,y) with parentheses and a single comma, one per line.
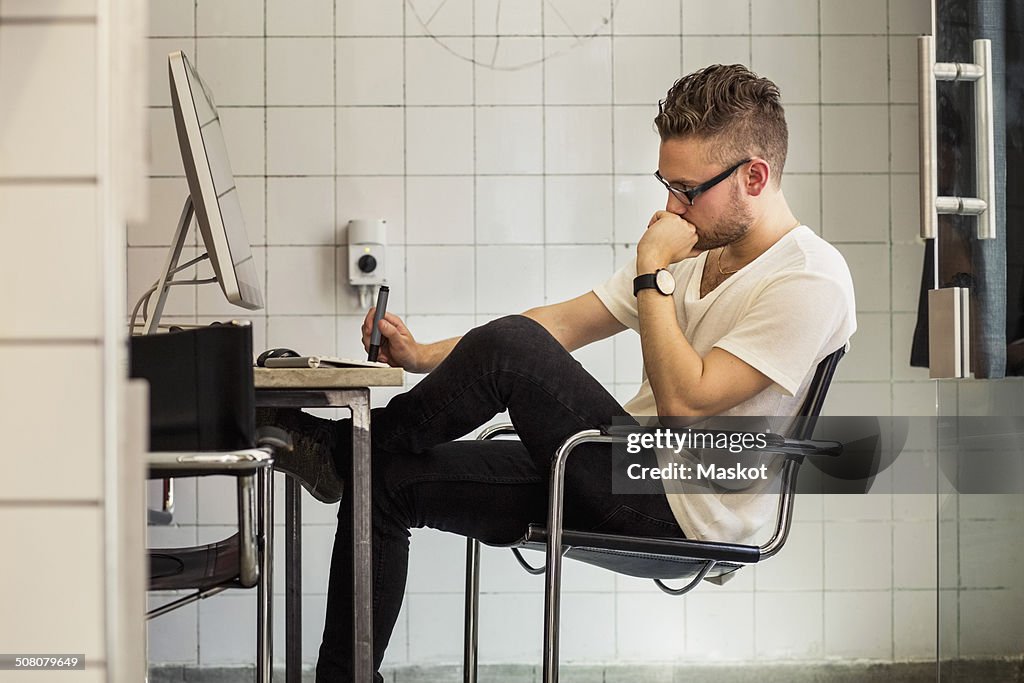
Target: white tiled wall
(518,145)
(71,512)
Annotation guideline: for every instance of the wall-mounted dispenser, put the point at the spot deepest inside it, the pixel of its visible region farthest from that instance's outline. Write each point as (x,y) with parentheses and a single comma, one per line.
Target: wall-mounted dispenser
(367,251)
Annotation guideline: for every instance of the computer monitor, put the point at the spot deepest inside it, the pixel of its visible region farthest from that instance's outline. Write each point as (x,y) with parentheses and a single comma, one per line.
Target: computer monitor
(212,193)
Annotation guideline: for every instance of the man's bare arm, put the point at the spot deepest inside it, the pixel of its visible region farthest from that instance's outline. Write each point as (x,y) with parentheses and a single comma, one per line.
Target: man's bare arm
(684,383)
(577,322)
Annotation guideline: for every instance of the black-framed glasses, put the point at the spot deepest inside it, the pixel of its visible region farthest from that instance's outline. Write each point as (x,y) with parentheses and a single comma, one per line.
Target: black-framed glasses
(687,196)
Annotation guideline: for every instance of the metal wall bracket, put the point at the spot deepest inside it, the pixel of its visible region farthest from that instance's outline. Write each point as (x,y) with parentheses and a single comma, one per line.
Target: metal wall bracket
(949,333)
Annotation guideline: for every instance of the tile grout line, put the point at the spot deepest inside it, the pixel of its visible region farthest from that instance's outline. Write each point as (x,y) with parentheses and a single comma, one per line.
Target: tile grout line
(892,388)
(337,232)
(405,238)
(474,197)
(823,624)
(544,150)
(266,184)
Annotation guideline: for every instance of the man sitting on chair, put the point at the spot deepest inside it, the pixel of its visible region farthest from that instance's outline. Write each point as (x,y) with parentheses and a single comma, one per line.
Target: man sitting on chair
(735,302)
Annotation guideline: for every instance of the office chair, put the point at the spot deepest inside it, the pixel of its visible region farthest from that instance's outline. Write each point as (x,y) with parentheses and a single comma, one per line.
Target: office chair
(201,424)
(659,559)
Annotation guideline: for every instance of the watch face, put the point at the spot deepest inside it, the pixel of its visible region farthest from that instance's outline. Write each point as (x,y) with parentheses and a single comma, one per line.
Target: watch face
(666,283)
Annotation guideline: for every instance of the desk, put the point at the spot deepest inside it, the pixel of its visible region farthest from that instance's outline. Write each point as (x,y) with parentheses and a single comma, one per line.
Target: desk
(329,388)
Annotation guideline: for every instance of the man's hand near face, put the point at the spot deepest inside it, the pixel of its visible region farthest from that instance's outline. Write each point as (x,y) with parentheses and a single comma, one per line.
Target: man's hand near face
(668,239)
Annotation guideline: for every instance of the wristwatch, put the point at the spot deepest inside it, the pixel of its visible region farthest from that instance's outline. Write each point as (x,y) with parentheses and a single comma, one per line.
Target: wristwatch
(660,280)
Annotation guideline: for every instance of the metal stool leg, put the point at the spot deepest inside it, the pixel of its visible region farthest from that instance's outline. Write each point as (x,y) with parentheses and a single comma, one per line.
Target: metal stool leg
(553,579)
(265,587)
(471,636)
(553,591)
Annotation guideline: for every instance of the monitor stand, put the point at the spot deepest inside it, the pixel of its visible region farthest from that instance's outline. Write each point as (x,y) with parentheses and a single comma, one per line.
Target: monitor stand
(167,275)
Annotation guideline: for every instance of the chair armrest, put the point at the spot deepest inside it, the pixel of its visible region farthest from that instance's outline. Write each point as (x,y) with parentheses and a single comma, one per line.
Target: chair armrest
(199,463)
(505,429)
(776,443)
(809,447)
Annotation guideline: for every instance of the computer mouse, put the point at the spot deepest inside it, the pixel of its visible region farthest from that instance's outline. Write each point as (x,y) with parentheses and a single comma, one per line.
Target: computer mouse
(275,353)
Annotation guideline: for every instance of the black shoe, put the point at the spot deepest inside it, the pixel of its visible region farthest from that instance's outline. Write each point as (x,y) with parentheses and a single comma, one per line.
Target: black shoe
(311,460)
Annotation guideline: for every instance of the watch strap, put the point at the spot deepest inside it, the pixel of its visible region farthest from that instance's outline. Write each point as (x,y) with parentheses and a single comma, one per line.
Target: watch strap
(647,281)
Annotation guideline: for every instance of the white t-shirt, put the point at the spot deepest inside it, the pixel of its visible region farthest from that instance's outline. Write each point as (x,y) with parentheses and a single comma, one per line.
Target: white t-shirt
(782,313)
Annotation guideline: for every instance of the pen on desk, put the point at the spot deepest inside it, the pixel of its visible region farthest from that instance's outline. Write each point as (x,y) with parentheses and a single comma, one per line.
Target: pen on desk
(378,315)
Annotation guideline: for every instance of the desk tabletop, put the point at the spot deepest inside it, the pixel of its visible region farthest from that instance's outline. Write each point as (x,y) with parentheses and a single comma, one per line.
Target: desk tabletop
(326,378)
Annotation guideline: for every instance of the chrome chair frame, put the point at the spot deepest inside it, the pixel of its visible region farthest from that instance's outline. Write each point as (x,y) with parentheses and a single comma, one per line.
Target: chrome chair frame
(250,551)
(665,558)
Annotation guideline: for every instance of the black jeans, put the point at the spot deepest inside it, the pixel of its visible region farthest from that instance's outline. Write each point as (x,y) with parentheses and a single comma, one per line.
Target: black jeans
(490,491)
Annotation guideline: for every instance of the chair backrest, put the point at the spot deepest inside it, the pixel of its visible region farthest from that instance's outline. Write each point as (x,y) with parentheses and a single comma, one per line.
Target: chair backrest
(803,429)
(815,399)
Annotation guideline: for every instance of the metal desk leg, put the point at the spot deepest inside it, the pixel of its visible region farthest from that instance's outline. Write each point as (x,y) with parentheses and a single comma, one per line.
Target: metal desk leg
(361,540)
(293,580)
(358,401)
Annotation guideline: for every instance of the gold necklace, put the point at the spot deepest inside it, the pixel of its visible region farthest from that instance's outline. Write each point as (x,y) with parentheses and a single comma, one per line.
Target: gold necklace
(718,262)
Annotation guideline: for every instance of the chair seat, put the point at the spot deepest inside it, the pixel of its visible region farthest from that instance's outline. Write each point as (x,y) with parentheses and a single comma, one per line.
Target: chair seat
(651,566)
(646,558)
(197,567)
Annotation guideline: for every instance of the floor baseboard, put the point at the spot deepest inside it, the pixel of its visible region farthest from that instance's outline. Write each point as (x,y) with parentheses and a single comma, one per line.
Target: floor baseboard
(959,671)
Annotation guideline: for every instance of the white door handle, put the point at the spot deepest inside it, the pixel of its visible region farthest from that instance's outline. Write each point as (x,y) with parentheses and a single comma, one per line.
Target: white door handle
(980,73)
